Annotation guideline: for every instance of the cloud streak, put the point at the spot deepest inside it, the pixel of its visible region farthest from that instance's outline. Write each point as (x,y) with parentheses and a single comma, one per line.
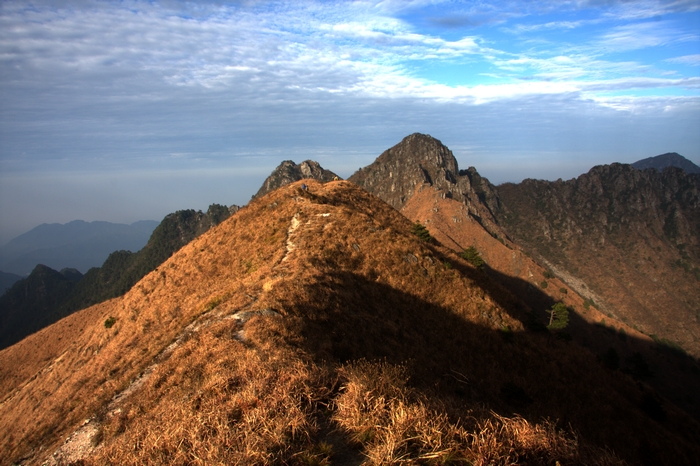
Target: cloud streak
(98,88)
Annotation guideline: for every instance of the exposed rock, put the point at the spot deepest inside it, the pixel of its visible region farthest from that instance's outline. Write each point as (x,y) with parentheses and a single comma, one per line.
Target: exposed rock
(630,235)
(419,162)
(288,172)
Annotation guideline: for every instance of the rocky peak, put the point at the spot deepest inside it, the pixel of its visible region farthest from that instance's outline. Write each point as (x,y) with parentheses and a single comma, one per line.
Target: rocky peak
(401,170)
(288,172)
(420,161)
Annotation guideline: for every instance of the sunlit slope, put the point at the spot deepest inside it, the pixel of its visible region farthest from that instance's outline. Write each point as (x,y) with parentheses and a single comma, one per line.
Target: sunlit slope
(250,342)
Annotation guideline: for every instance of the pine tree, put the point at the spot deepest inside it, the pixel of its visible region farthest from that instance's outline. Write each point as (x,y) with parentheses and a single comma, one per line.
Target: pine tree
(558,316)
(472,256)
(420,231)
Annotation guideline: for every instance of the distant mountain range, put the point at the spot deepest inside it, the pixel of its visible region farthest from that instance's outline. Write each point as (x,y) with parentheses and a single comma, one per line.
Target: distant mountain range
(46,295)
(77,244)
(671,159)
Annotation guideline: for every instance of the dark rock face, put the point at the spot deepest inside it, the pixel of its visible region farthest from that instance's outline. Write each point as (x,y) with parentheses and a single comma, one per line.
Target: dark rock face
(289,172)
(32,303)
(630,235)
(420,161)
(671,159)
(417,160)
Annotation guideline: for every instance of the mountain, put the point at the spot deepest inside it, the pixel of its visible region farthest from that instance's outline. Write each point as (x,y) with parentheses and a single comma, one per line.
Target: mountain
(464,211)
(77,244)
(7,280)
(419,161)
(624,238)
(41,305)
(288,172)
(314,327)
(33,302)
(671,159)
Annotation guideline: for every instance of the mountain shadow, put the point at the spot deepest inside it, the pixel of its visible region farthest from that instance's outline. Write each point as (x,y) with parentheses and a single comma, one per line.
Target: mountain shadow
(312,323)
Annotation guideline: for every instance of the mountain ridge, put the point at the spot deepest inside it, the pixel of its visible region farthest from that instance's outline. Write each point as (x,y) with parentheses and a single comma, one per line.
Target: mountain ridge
(23,314)
(324,295)
(250,340)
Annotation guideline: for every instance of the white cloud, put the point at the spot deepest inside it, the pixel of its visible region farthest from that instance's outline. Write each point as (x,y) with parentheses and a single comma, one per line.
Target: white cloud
(127,89)
(693,60)
(637,36)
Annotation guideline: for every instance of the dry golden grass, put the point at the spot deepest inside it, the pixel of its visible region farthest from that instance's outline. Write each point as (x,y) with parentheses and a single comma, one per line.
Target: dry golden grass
(397,425)
(349,281)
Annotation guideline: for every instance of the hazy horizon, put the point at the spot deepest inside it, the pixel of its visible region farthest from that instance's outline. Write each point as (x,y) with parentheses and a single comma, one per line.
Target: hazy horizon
(129,111)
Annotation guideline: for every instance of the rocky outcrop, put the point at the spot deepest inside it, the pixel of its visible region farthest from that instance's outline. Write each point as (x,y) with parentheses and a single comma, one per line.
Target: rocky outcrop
(288,172)
(419,162)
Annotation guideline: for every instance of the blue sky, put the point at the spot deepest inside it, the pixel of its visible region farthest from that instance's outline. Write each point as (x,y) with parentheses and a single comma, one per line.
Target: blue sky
(123,111)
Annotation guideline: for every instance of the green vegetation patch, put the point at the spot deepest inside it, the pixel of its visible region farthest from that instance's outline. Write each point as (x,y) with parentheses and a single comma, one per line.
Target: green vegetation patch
(110,321)
(472,256)
(420,231)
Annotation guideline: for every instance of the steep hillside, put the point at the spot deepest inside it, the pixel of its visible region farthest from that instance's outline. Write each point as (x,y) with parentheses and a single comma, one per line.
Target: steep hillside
(628,239)
(314,327)
(457,206)
(77,244)
(34,302)
(288,172)
(663,161)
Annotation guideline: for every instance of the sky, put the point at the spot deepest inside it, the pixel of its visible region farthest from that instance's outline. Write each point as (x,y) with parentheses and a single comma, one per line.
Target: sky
(129,110)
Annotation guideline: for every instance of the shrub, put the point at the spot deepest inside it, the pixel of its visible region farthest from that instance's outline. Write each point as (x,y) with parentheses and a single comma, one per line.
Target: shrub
(544,284)
(420,231)
(548,274)
(472,256)
(110,322)
(558,316)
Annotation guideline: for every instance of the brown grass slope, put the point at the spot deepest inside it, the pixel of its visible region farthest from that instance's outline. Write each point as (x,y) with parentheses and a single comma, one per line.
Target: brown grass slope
(616,343)
(315,328)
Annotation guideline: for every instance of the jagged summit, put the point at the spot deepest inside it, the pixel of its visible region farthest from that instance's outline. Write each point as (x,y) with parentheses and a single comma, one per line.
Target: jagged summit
(670,159)
(399,171)
(419,162)
(288,172)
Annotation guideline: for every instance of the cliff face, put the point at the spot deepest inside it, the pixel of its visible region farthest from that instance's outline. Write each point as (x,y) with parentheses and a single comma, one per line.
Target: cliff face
(630,236)
(420,161)
(288,172)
